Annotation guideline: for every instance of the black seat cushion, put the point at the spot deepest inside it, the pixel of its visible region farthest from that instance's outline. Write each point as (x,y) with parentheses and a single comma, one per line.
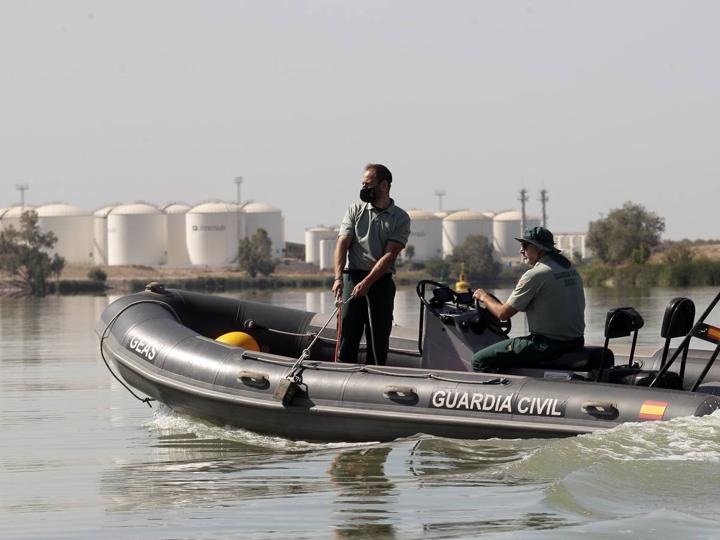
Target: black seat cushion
(584,359)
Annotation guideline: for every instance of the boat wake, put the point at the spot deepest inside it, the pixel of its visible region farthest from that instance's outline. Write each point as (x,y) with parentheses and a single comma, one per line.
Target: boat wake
(680,439)
(630,470)
(169,424)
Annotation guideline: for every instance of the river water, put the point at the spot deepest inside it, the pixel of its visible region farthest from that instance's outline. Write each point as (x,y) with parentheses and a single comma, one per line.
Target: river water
(80,458)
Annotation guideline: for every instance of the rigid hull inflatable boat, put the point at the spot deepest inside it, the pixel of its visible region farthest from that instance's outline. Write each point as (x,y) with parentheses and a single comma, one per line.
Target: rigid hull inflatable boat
(163,343)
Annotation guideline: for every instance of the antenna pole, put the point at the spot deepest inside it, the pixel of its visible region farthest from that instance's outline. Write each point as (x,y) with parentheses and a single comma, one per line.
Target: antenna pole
(543,201)
(523,198)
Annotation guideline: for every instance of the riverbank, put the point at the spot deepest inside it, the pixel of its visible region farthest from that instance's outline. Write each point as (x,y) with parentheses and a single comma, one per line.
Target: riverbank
(129,279)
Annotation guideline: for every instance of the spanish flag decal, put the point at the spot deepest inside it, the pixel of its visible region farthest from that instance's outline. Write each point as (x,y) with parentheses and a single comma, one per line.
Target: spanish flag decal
(652,410)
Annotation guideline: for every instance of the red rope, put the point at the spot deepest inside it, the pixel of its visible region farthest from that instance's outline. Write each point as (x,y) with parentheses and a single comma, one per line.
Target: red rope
(339,332)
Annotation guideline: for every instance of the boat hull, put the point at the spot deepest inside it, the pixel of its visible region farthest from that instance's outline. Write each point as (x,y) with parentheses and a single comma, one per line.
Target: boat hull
(160,346)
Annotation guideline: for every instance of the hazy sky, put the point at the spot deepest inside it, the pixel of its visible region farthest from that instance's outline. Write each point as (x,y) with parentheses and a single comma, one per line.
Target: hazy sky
(599,102)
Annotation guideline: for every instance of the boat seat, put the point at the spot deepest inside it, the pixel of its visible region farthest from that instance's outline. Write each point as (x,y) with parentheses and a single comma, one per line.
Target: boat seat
(584,359)
(641,377)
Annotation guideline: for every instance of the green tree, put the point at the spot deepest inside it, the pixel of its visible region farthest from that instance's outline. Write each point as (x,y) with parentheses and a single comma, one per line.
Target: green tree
(437,269)
(255,254)
(477,253)
(409,252)
(627,234)
(23,255)
(97,274)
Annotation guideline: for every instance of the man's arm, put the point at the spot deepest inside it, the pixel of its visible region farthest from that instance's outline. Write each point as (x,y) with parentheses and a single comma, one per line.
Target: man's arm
(500,310)
(382,267)
(341,248)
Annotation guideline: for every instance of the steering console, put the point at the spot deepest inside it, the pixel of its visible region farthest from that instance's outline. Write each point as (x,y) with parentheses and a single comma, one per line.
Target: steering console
(491,321)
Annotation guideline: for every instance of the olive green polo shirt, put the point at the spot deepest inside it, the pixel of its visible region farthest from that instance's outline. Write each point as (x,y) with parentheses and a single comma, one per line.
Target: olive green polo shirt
(371,229)
(553,300)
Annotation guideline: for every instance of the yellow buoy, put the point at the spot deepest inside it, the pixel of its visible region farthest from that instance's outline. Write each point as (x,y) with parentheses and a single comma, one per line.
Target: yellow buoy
(462,285)
(240,339)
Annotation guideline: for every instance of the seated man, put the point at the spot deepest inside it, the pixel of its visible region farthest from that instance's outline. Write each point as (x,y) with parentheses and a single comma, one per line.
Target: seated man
(551,294)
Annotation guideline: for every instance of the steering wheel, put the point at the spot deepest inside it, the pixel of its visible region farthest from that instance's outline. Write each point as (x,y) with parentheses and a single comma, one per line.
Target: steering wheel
(491,321)
(448,295)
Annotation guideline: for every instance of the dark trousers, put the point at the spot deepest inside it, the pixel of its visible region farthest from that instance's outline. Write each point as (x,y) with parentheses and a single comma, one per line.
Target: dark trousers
(355,318)
(526,351)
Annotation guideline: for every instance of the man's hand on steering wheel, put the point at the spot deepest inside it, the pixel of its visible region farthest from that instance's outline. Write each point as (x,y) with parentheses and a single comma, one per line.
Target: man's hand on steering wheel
(482,301)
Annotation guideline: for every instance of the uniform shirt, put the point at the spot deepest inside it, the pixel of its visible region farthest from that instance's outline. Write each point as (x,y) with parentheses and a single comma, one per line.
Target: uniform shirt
(371,229)
(553,300)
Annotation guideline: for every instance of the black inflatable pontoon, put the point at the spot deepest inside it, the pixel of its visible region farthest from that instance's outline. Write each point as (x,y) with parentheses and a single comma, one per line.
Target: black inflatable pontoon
(163,343)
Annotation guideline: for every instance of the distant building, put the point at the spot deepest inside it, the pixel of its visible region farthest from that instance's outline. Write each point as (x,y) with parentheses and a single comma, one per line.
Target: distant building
(572,244)
(294,250)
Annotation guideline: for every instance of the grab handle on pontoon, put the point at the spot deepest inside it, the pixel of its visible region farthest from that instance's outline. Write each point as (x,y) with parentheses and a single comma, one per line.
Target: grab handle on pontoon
(254,378)
(600,408)
(399,392)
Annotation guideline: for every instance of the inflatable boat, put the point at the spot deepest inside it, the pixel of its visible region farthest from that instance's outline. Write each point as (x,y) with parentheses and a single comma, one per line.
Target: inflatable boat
(276,373)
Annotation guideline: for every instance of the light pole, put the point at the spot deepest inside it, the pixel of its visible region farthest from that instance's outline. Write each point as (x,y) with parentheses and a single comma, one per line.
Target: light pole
(238,182)
(440,193)
(22,188)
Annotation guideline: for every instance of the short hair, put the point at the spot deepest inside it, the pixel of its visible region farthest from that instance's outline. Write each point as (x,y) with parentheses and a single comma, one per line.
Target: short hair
(381,172)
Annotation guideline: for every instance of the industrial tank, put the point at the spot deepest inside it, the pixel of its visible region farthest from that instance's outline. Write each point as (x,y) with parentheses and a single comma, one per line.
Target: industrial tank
(327,253)
(261,216)
(213,232)
(73,229)
(176,235)
(100,235)
(506,227)
(136,235)
(572,243)
(11,217)
(426,232)
(313,237)
(459,225)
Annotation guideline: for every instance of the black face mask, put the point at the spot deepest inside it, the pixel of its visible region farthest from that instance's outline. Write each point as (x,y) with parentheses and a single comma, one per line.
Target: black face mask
(368,195)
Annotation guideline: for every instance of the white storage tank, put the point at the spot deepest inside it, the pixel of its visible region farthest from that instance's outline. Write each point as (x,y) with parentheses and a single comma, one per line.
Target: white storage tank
(572,243)
(11,217)
(136,235)
(176,234)
(213,232)
(327,253)
(313,237)
(506,227)
(459,225)
(426,232)
(100,235)
(2,213)
(261,216)
(73,229)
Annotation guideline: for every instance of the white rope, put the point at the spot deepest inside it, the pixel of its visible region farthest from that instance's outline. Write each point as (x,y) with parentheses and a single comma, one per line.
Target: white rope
(372,331)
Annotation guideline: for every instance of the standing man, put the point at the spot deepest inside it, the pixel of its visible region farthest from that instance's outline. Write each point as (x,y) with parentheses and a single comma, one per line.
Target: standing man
(551,294)
(372,234)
